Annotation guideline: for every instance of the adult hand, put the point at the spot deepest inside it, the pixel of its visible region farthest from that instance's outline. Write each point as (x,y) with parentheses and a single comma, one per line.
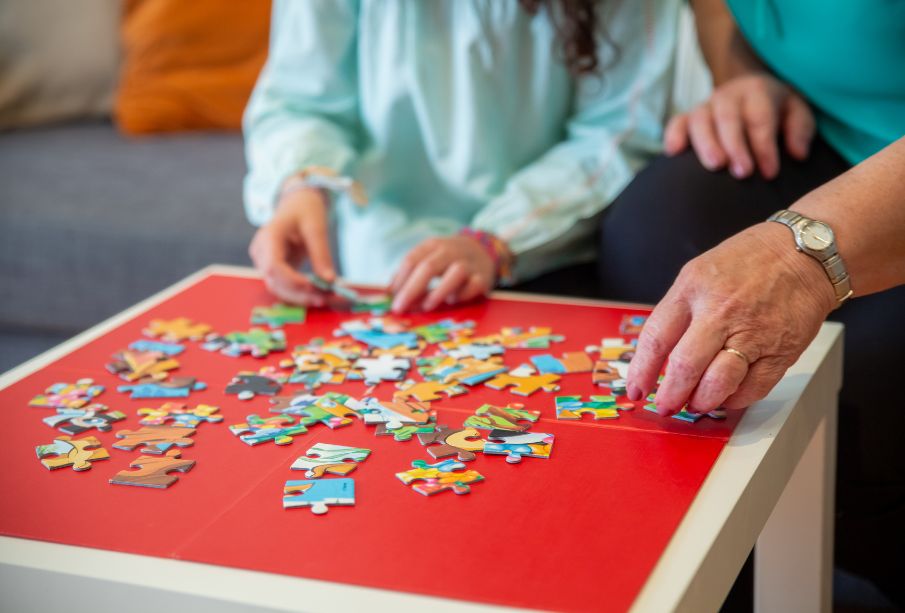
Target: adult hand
(753,293)
(740,124)
(465,269)
(297,231)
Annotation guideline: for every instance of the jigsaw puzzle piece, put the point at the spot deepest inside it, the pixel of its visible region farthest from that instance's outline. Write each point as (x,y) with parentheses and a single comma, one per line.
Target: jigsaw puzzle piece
(176,330)
(179,415)
(521,381)
(279,429)
(155,439)
(77,421)
(440,477)
(319,494)
(685,415)
(631,324)
(177,387)
(154,471)
(67,395)
(277,315)
(324,458)
(383,368)
(534,337)
(145,365)
(570,362)
(516,445)
(395,413)
(77,453)
(441,331)
(490,417)
(247,385)
(404,433)
(258,342)
(427,391)
(144,345)
(600,407)
(446,441)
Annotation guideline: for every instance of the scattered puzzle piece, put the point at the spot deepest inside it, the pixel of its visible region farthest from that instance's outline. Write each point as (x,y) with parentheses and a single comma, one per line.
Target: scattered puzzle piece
(439,477)
(476,351)
(77,453)
(258,342)
(67,395)
(279,429)
(142,365)
(490,417)
(319,494)
(177,330)
(396,413)
(378,332)
(685,415)
(522,382)
(443,330)
(155,440)
(383,368)
(448,441)
(246,385)
(532,338)
(600,407)
(171,349)
(277,315)
(610,374)
(404,433)
(570,362)
(179,415)
(334,410)
(516,445)
(631,324)
(177,387)
(427,391)
(153,471)
(324,458)
(77,421)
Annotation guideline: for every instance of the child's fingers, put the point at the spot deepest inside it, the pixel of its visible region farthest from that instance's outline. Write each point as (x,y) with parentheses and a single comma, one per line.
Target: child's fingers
(315,232)
(453,279)
(415,286)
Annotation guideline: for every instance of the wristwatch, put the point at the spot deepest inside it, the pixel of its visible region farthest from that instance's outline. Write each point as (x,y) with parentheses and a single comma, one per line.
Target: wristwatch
(816,239)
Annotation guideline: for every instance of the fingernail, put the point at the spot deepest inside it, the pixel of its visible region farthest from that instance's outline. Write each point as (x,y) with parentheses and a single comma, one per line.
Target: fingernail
(738,171)
(633,391)
(709,163)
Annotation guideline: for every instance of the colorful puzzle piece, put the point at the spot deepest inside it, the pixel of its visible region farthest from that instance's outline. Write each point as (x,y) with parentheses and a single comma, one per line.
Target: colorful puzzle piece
(570,362)
(155,440)
(332,409)
(440,477)
(395,413)
(319,494)
(521,381)
(324,458)
(176,330)
(67,395)
(600,407)
(490,417)
(427,391)
(516,445)
(171,349)
(378,332)
(179,415)
(247,385)
(153,471)
(404,433)
(477,351)
(446,442)
(258,342)
(142,365)
(66,451)
(277,315)
(685,415)
(610,374)
(617,349)
(533,338)
(77,421)
(279,429)
(177,387)
(443,330)
(383,368)
(631,324)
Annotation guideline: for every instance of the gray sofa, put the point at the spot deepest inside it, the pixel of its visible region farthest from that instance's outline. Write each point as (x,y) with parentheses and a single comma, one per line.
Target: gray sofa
(92,221)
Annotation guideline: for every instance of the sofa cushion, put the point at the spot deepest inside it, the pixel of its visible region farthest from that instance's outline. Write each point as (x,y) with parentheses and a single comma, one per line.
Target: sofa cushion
(91,222)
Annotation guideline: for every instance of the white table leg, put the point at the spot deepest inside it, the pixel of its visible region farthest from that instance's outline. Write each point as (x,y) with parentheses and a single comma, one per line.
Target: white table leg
(793,561)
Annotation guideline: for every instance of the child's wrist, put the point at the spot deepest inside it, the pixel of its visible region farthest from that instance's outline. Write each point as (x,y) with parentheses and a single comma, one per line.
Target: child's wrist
(498,251)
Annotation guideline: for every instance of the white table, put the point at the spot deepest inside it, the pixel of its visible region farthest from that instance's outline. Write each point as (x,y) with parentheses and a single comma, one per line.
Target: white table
(773,485)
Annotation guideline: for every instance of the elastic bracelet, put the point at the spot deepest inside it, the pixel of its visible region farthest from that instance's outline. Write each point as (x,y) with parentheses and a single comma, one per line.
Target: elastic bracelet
(327,180)
(497,250)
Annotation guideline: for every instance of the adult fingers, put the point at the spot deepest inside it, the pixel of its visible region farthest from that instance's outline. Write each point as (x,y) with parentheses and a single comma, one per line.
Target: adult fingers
(675,137)
(477,285)
(798,127)
(704,140)
(314,230)
(761,123)
(687,362)
(659,335)
(721,379)
(727,118)
(761,377)
(416,284)
(408,264)
(289,285)
(452,280)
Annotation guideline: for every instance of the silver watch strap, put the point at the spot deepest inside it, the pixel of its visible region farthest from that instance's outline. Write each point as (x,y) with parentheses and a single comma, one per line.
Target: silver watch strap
(832,263)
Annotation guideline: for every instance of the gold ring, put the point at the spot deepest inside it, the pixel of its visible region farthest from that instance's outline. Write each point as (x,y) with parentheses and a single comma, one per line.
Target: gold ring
(738,353)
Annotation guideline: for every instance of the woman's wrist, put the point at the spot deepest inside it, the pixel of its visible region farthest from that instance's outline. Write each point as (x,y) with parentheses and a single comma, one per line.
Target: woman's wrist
(502,257)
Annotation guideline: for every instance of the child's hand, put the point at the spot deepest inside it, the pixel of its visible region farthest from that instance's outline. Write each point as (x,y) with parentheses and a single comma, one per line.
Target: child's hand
(298,230)
(465,268)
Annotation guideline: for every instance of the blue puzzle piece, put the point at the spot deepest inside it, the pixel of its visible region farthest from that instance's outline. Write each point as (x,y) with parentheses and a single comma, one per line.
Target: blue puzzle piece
(547,364)
(385,340)
(165,348)
(162,390)
(319,494)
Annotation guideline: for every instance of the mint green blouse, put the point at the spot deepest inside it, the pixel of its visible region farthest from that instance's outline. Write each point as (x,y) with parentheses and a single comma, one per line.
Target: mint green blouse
(456,113)
(847,58)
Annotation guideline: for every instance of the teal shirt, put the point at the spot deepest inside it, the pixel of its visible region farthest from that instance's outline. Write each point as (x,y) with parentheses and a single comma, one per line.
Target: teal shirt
(847,58)
(456,113)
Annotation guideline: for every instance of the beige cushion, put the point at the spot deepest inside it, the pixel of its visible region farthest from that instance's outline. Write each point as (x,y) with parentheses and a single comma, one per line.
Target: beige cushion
(58,60)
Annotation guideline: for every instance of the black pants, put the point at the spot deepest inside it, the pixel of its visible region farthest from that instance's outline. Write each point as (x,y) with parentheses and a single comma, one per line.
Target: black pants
(673,211)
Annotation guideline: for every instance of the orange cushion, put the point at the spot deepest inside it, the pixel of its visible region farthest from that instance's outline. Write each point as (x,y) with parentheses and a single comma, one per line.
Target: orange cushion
(189,65)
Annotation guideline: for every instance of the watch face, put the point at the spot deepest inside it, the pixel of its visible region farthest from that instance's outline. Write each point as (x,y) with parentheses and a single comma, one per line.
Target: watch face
(816,236)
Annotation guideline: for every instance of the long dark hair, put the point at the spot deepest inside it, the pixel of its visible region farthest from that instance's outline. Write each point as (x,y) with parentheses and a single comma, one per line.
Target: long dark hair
(575,22)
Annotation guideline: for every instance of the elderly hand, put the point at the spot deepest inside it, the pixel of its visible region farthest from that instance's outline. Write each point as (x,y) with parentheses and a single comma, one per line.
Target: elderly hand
(297,231)
(464,266)
(753,293)
(742,120)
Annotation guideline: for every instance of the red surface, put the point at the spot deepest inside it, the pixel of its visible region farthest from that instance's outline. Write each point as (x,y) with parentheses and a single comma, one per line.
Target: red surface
(580,531)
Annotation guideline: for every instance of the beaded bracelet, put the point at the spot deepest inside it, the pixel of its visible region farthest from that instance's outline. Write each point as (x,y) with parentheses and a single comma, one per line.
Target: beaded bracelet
(497,250)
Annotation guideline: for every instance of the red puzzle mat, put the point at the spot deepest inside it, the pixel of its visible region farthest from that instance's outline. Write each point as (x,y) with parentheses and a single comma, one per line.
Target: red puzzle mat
(580,531)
